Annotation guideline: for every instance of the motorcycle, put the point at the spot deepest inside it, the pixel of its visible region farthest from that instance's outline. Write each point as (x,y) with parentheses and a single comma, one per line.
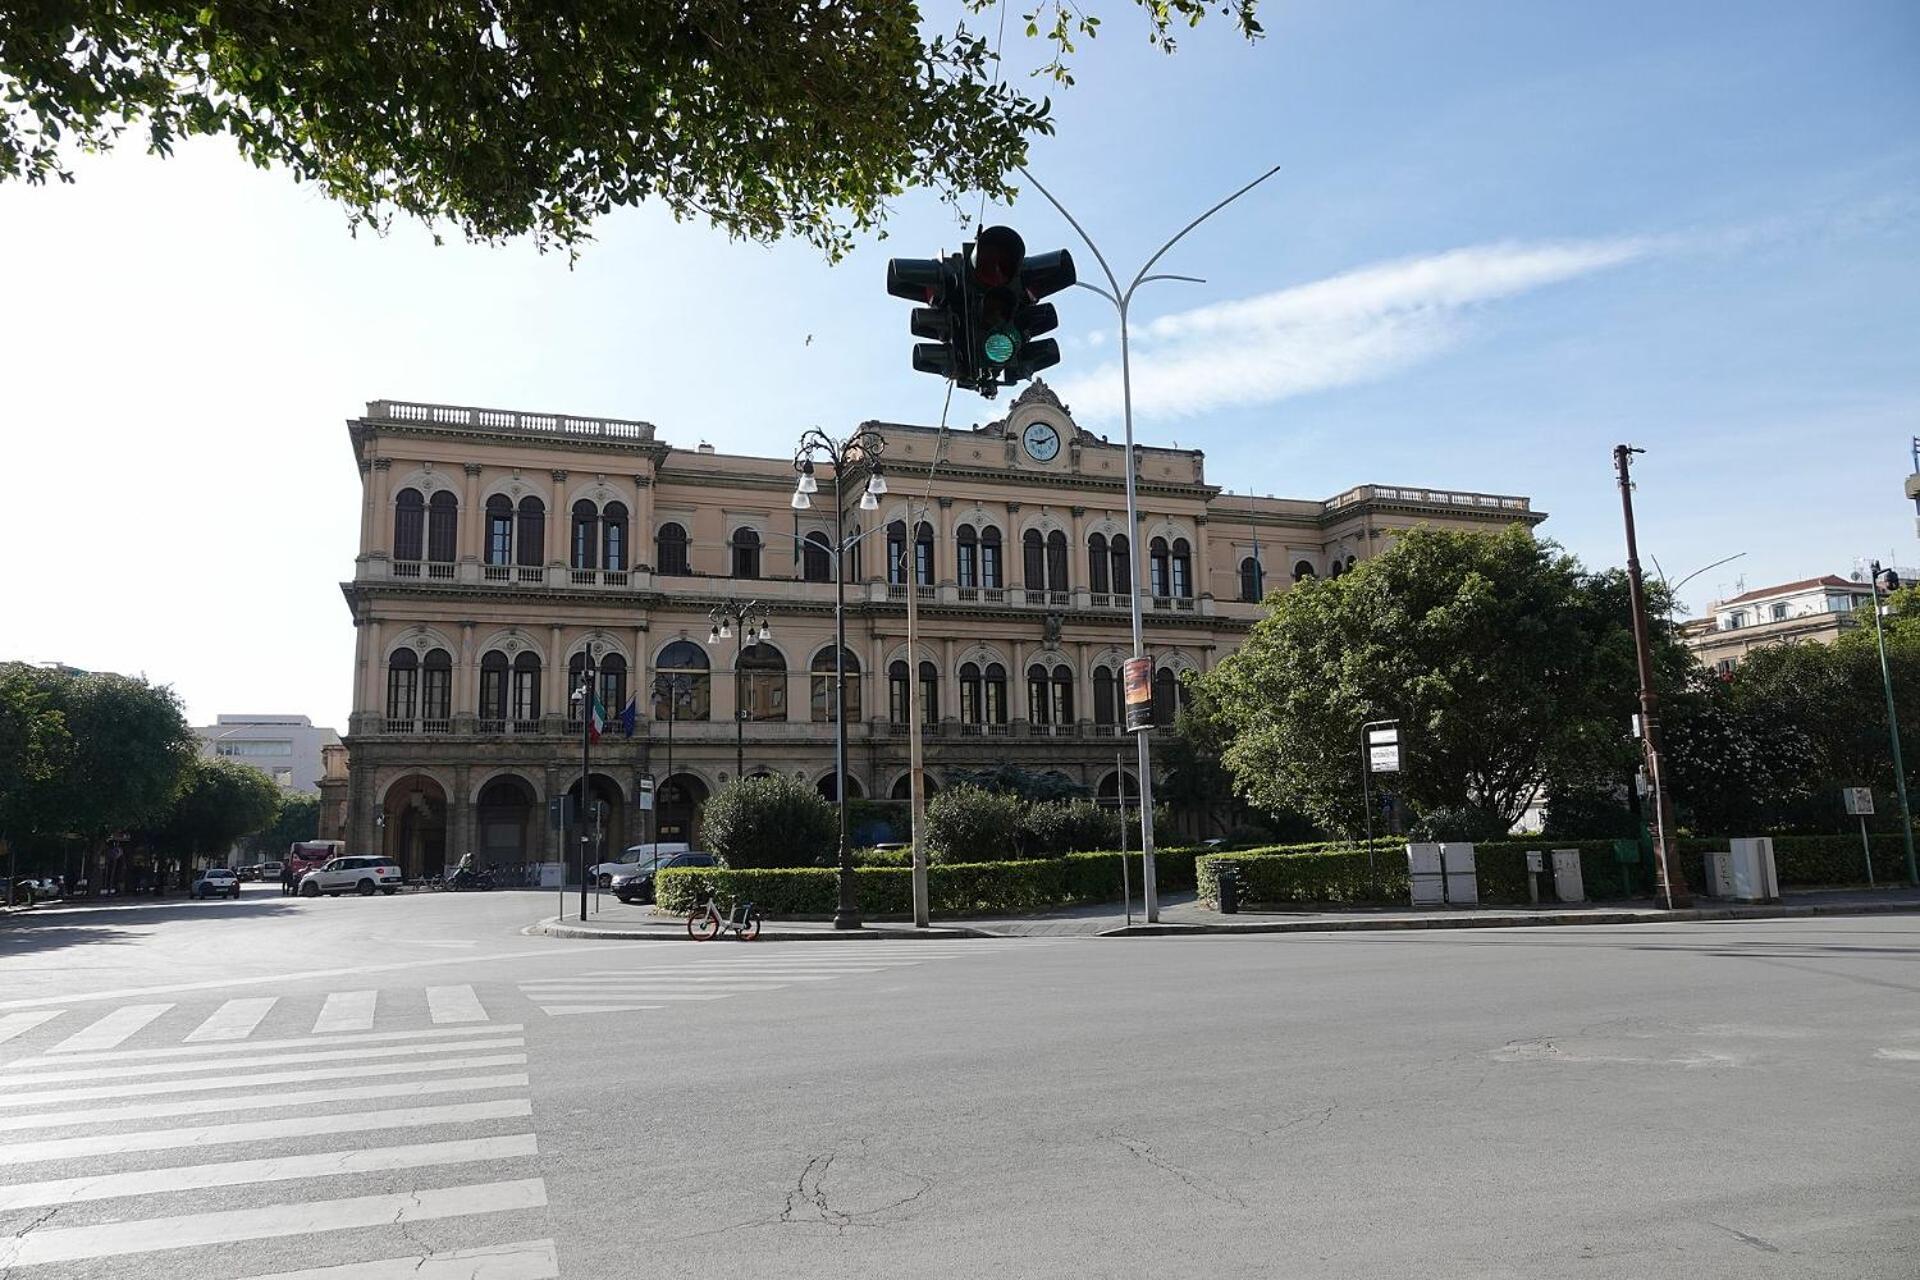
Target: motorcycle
(463,877)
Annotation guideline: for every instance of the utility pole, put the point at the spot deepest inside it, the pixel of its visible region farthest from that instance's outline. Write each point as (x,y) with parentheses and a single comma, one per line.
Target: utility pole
(916,748)
(1893,723)
(1671,882)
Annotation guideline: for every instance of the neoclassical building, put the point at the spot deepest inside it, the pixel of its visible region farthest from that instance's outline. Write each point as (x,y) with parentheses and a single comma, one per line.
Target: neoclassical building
(499,548)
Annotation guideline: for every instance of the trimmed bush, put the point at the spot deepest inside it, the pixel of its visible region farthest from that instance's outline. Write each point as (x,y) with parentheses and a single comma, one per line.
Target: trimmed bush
(1334,876)
(882,857)
(771,821)
(1067,826)
(967,824)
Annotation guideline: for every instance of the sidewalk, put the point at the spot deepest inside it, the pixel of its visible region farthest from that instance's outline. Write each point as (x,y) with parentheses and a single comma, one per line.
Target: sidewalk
(1180,914)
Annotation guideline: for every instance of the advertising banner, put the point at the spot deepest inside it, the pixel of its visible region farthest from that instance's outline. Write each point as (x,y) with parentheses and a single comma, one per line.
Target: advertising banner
(1138,681)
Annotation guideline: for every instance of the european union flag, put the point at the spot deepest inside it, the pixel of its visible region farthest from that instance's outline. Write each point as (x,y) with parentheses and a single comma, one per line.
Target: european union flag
(630,716)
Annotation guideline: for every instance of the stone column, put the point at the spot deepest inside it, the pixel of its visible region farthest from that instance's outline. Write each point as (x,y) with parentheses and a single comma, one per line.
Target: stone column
(371,701)
(554,842)
(949,679)
(1017,709)
(382,532)
(473,521)
(459,816)
(946,555)
(641,532)
(366,507)
(554,691)
(1202,560)
(466,683)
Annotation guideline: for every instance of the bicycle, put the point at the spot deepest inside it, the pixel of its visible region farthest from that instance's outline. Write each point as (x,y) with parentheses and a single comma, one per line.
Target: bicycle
(705,921)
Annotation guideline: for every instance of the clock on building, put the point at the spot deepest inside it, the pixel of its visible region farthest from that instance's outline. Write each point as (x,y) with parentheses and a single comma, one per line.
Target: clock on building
(1042,441)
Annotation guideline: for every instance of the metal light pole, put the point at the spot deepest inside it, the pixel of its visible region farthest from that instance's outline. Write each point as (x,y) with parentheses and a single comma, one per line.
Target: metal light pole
(1893,723)
(860,453)
(742,620)
(673,689)
(1672,881)
(1122,300)
(584,696)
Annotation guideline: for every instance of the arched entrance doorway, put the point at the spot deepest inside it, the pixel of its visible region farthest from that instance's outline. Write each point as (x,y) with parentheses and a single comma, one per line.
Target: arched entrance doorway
(612,830)
(504,823)
(829,790)
(1110,790)
(415,832)
(677,809)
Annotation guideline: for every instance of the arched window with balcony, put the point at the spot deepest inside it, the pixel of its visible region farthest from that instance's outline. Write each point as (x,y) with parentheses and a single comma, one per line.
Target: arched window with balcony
(670,549)
(1033,560)
(822,686)
(1097,565)
(923,554)
(746,552)
(816,558)
(436,686)
(992,574)
(1158,558)
(409,524)
(994,685)
(972,695)
(1057,561)
(1167,696)
(443,527)
(1182,562)
(403,683)
(530,546)
(613,537)
(1106,696)
(1302,570)
(576,673)
(499,548)
(1039,701)
(898,694)
(762,683)
(586,535)
(1062,692)
(526,687)
(683,664)
(967,548)
(897,553)
(613,684)
(1122,551)
(1252,588)
(493,686)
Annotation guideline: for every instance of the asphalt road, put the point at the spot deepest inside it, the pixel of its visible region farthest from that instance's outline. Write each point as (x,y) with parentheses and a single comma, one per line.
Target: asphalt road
(361,1089)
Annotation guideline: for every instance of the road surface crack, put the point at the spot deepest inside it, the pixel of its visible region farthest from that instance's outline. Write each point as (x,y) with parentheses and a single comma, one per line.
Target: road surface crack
(1744,1238)
(12,1251)
(1206,1186)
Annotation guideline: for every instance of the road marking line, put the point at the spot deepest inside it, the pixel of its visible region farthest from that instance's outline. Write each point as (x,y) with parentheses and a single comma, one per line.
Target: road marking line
(362,1053)
(346,1011)
(637,995)
(112,1029)
(234,1020)
(214,1135)
(557,1010)
(564,988)
(302,1042)
(526,1260)
(235,1173)
(454,1004)
(779,975)
(259,1102)
(154,1087)
(186,1231)
(14,1024)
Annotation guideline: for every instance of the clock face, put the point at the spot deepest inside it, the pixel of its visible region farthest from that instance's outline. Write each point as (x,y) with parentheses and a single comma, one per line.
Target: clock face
(1041,440)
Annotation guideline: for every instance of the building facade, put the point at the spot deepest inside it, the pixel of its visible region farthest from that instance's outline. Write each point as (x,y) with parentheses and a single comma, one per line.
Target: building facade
(499,549)
(286,748)
(1813,609)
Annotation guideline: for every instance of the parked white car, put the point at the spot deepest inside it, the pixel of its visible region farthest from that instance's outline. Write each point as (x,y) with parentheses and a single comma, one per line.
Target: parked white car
(358,874)
(217,882)
(635,857)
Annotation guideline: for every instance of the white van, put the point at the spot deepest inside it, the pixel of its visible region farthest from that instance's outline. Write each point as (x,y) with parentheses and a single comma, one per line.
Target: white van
(633,858)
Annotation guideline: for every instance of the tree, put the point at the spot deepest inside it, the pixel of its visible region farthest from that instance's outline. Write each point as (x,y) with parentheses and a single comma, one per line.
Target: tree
(1196,782)
(34,747)
(1503,660)
(1012,780)
(219,801)
(296,818)
(771,821)
(764,117)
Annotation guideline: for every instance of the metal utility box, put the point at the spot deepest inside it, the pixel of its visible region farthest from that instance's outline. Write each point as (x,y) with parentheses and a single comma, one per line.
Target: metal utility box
(1426,875)
(1567,884)
(1463,885)
(1745,872)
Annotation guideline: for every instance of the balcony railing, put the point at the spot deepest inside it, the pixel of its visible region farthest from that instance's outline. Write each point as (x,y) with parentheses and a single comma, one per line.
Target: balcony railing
(406,568)
(526,726)
(1429,497)
(490,726)
(541,424)
(496,572)
(436,726)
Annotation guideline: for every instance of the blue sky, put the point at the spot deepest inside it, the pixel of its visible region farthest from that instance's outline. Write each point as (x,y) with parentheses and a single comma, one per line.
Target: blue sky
(1506,237)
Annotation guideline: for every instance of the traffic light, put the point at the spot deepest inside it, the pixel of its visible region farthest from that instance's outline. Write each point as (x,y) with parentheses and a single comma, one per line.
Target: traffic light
(940,283)
(983,309)
(1041,275)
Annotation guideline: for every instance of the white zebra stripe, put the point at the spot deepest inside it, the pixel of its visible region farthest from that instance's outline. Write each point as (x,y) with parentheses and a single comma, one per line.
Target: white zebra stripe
(153,1087)
(14,1024)
(112,1029)
(346,1011)
(524,1260)
(302,1042)
(258,1102)
(454,1004)
(365,1053)
(234,1020)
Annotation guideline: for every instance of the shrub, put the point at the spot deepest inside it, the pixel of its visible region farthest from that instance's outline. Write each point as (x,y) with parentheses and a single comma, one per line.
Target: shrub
(1067,826)
(771,821)
(966,824)
(1463,823)
(883,857)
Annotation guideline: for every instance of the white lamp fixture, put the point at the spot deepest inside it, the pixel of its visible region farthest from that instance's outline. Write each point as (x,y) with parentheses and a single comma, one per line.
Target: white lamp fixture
(807,483)
(713,636)
(766,633)
(877,483)
(868,502)
(801,502)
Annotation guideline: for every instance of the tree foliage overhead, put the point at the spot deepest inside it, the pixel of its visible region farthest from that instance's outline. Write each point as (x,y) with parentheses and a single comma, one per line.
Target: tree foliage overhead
(219,801)
(296,818)
(767,117)
(1504,661)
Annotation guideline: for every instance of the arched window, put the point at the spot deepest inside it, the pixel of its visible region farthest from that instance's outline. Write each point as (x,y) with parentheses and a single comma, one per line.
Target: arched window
(1336,569)
(526,687)
(903,786)
(436,685)
(530,547)
(1062,694)
(992,575)
(832,793)
(1112,785)
(670,549)
(971,694)
(586,535)
(816,558)
(967,543)
(1057,561)
(1106,701)
(1122,565)
(613,537)
(1182,569)
(822,686)
(1039,705)
(929,693)
(684,666)
(923,554)
(1165,687)
(499,529)
(409,524)
(403,681)
(1097,564)
(746,553)
(1250,581)
(443,527)
(995,684)
(762,683)
(897,552)
(613,684)
(899,695)
(576,673)
(493,686)
(1033,560)
(1157,567)
(1302,570)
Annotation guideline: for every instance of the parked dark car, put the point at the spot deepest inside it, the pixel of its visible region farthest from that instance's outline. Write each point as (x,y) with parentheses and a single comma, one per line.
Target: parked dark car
(637,885)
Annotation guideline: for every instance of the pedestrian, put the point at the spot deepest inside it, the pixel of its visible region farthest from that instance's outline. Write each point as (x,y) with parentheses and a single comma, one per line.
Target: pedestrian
(286,877)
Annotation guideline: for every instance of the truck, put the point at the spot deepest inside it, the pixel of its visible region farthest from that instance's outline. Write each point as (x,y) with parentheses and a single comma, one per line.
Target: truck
(310,855)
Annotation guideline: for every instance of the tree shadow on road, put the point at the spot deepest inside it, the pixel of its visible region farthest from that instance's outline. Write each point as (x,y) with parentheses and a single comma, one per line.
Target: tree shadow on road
(28,933)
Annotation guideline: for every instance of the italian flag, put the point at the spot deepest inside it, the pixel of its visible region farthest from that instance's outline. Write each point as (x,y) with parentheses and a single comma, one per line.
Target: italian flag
(597,722)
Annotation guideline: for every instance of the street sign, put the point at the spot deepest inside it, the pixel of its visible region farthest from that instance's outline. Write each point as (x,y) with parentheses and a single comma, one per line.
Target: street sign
(1383,750)
(1859,800)
(1137,676)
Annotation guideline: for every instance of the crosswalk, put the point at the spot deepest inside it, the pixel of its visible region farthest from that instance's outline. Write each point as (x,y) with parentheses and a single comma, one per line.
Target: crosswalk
(273,1139)
(683,975)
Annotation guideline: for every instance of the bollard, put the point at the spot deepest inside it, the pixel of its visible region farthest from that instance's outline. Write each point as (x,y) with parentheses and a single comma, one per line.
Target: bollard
(1228,879)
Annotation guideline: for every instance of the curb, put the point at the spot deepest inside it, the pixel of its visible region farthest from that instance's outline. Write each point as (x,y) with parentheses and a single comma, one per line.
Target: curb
(554,929)
(1546,919)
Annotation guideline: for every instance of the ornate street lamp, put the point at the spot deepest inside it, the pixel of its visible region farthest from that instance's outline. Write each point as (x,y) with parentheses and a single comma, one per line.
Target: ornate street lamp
(743,622)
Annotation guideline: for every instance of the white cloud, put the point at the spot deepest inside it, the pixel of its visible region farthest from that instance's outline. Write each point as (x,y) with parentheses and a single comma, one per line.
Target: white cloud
(1357,327)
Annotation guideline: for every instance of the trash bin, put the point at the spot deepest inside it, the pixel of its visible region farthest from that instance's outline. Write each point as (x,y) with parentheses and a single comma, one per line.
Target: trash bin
(1228,878)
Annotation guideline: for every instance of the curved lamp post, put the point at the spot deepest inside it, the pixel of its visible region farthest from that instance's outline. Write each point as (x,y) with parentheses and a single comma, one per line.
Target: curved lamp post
(854,458)
(743,622)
